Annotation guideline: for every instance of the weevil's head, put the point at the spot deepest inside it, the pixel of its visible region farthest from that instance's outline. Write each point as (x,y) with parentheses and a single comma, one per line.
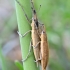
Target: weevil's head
(43,33)
(35,18)
(34,23)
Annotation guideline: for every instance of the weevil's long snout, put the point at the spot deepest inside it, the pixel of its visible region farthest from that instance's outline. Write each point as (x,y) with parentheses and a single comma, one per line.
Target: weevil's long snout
(34,14)
(35,18)
(34,11)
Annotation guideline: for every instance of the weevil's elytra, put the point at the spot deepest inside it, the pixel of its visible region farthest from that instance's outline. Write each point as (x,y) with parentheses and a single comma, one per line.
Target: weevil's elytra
(35,40)
(34,32)
(44,49)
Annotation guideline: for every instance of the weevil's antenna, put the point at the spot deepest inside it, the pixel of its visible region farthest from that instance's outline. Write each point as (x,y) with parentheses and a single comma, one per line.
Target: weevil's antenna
(39,8)
(32,4)
(23,11)
(32,7)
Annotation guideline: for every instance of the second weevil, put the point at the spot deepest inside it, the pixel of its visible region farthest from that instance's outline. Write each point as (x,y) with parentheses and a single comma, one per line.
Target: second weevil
(44,49)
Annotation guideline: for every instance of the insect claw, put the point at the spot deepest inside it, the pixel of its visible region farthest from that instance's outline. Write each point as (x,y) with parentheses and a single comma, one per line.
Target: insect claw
(37,60)
(28,53)
(19,34)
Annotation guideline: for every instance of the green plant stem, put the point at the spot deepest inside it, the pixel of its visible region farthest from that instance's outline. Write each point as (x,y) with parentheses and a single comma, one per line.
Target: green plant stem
(19,65)
(3,62)
(23,27)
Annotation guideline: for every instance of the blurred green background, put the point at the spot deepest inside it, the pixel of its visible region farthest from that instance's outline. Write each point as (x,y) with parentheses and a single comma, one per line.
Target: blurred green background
(55,14)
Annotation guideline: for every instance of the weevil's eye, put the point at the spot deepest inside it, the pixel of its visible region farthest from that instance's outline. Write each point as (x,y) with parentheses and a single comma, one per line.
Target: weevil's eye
(43,32)
(42,24)
(34,12)
(37,23)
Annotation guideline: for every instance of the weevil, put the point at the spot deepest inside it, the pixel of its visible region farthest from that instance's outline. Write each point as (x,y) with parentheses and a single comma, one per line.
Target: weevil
(44,49)
(34,32)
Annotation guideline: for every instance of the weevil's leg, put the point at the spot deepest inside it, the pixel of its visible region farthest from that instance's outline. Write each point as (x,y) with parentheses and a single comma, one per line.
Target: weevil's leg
(36,62)
(24,34)
(39,58)
(28,52)
(32,7)
(34,48)
(23,11)
(36,45)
